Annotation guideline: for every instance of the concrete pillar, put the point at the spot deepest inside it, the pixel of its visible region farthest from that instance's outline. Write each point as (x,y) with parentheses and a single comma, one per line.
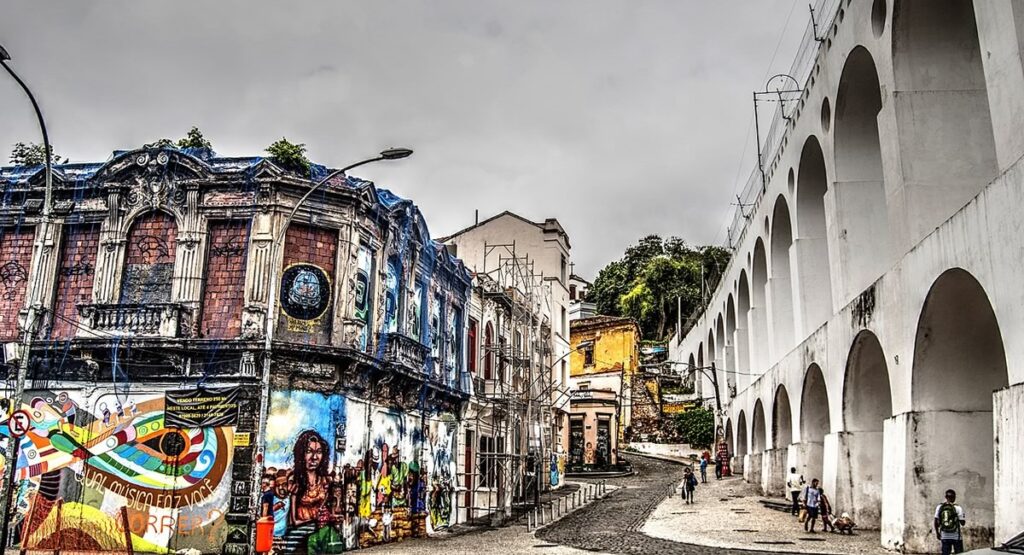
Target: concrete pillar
(999,36)
(807,458)
(741,357)
(752,468)
(1009,464)
(857,226)
(782,322)
(758,340)
(738,464)
(812,291)
(853,469)
(774,471)
(941,450)
(945,157)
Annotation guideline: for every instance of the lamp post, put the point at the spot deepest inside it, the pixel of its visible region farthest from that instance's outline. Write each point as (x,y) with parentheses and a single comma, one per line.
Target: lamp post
(713,376)
(34,307)
(272,300)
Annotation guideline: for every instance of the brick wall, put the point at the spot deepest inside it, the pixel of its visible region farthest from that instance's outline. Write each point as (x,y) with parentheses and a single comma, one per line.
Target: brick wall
(149,261)
(15,261)
(224,294)
(311,244)
(74,277)
(316,246)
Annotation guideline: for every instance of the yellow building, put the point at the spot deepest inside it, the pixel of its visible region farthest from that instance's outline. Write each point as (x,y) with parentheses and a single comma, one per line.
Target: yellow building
(605,360)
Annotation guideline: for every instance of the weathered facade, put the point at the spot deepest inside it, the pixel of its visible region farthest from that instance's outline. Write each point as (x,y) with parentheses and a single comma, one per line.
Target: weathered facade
(867,328)
(606,356)
(154,282)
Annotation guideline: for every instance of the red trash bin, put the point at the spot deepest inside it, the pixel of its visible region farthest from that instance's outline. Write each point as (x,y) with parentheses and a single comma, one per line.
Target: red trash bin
(264,534)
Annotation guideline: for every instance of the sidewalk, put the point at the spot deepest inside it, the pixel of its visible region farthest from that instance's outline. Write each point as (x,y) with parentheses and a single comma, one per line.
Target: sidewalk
(727,514)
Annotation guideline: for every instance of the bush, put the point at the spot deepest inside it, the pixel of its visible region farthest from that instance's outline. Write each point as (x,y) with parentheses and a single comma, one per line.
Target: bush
(697,425)
(290,156)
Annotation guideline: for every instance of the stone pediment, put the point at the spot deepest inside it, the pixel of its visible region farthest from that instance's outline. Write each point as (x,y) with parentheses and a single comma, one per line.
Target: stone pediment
(153,177)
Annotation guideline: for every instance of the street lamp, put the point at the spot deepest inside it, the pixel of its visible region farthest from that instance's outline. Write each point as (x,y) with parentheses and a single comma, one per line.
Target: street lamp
(713,376)
(34,308)
(272,299)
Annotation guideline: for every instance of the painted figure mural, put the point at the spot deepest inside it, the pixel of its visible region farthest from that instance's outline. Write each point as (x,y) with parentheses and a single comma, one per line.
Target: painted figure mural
(93,461)
(346,474)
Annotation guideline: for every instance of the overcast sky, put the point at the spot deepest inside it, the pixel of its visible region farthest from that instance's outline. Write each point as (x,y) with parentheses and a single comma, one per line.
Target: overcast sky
(619,118)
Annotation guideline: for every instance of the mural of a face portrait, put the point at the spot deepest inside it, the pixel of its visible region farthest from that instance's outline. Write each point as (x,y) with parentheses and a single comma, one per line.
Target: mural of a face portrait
(364,267)
(305,296)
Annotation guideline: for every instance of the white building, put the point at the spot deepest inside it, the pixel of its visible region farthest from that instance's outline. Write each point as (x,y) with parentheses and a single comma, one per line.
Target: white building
(871,318)
(531,258)
(579,306)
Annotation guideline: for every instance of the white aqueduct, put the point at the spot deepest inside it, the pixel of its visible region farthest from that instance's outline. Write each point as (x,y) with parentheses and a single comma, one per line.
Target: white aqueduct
(871,319)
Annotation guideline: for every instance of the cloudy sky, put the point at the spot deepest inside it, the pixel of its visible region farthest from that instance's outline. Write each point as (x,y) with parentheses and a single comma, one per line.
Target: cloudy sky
(619,118)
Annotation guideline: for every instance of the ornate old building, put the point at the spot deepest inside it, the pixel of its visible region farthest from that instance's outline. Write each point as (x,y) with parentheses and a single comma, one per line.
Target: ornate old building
(155,403)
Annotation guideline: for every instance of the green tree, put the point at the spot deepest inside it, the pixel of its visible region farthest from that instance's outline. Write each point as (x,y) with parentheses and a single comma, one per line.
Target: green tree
(697,425)
(651,279)
(194,139)
(290,156)
(33,154)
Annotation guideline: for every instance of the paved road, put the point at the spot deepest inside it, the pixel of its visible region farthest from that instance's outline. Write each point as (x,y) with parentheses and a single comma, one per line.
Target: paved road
(612,524)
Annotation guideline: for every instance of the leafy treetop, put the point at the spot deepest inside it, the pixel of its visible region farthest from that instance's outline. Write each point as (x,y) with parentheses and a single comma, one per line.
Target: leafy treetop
(194,139)
(33,154)
(645,283)
(288,155)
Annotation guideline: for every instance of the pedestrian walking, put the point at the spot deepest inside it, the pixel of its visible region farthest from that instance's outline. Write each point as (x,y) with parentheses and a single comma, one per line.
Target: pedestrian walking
(718,466)
(812,500)
(949,520)
(704,470)
(825,511)
(689,483)
(795,483)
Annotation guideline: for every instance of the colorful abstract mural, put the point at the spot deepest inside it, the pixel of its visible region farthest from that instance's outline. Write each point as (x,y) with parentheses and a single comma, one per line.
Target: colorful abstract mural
(92,462)
(341,473)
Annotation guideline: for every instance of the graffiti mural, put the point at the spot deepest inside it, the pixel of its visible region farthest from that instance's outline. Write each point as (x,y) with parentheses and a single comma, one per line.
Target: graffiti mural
(342,474)
(363,285)
(391,288)
(93,462)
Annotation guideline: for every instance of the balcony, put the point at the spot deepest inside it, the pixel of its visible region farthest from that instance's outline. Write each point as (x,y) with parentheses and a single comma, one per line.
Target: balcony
(495,389)
(134,320)
(405,351)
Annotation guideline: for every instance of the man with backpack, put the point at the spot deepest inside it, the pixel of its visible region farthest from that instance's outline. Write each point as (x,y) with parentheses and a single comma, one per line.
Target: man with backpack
(949,518)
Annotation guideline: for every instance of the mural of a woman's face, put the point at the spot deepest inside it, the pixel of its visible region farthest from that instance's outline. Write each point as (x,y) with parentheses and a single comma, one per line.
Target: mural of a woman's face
(314,454)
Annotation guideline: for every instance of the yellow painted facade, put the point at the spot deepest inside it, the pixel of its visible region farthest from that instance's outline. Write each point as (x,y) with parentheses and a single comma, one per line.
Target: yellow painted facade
(612,363)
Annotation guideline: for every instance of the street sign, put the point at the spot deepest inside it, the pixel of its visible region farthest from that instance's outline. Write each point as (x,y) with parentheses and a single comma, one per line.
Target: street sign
(19,423)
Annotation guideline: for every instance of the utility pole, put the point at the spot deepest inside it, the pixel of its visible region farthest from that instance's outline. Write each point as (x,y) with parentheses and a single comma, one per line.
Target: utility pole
(34,307)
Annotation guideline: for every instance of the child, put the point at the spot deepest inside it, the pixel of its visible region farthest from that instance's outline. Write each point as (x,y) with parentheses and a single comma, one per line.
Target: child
(689,482)
(825,511)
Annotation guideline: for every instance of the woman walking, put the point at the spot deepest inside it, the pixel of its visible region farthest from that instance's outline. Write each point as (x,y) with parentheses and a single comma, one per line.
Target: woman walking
(689,483)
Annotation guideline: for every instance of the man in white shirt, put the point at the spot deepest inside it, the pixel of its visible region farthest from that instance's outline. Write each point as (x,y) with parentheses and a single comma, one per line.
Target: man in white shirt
(795,483)
(949,519)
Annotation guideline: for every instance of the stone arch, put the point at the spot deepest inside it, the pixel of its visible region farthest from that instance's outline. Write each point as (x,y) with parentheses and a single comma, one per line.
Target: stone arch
(948,147)
(782,419)
(743,346)
(148,271)
(733,338)
(867,404)
(781,282)
(730,439)
(758,444)
(724,353)
(814,281)
(690,376)
(742,445)
(860,231)
(959,361)
(814,424)
(758,313)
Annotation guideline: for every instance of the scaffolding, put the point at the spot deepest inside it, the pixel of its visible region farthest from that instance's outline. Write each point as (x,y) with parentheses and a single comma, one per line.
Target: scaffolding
(508,440)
